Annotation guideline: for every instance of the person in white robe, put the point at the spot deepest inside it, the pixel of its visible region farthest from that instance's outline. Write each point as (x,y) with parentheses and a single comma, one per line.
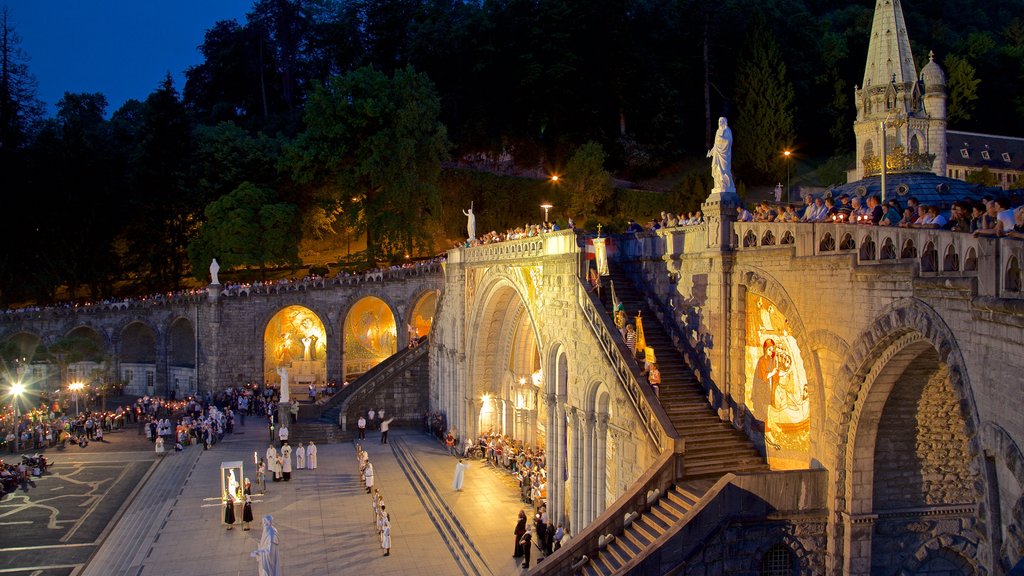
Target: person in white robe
(159,444)
(286,466)
(273,462)
(267,554)
(300,457)
(368,476)
(385,535)
(460,475)
(311,456)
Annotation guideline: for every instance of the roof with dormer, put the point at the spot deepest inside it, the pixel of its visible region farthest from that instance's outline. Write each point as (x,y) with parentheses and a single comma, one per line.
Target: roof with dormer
(889,51)
(979,150)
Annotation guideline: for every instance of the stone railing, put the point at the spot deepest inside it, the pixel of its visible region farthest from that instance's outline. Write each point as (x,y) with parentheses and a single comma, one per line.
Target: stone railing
(995,262)
(658,479)
(305,284)
(382,373)
(547,244)
(735,497)
(656,422)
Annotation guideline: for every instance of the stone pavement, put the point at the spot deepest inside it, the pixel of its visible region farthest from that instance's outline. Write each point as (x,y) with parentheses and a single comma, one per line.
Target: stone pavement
(173,525)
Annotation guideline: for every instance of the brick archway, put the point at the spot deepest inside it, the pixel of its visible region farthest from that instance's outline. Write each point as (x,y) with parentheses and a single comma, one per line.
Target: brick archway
(897,335)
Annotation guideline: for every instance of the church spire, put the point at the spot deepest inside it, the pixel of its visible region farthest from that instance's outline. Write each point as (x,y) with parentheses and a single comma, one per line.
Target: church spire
(889,57)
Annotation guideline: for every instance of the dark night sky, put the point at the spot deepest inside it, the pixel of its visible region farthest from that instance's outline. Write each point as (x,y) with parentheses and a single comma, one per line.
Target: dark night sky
(122,48)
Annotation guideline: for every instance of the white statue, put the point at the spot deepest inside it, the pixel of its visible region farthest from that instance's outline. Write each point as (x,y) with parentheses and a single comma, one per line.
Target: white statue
(470,222)
(214,268)
(282,371)
(721,158)
(232,483)
(306,341)
(267,554)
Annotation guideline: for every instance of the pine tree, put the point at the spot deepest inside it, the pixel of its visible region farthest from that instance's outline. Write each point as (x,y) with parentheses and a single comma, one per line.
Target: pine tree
(764,101)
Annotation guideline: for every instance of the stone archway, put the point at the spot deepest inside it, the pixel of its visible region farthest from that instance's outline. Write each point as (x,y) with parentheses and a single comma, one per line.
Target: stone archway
(370,335)
(908,350)
(294,339)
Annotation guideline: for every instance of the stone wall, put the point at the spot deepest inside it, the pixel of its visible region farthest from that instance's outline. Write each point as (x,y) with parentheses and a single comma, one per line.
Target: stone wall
(403,396)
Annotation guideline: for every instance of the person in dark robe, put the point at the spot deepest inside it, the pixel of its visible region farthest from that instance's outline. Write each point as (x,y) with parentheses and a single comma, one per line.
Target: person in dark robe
(520,530)
(229,509)
(247,511)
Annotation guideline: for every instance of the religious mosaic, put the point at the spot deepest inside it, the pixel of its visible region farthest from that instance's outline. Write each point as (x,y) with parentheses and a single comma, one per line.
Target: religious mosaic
(295,339)
(370,335)
(776,385)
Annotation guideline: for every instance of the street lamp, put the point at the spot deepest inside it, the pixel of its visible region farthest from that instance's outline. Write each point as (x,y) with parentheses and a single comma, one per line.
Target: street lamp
(547,206)
(17,389)
(789,194)
(75,387)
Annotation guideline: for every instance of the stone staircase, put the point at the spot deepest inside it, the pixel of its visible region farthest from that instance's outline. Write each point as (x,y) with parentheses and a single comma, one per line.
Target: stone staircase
(324,428)
(713,447)
(645,529)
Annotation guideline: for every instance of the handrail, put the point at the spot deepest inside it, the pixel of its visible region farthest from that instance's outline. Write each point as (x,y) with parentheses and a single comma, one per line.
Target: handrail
(372,374)
(652,414)
(659,477)
(369,384)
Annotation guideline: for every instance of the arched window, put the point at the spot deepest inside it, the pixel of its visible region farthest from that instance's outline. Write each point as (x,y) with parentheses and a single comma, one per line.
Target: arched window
(869,149)
(777,561)
(915,144)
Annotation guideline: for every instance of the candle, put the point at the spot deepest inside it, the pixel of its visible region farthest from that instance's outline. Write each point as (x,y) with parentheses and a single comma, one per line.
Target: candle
(255,460)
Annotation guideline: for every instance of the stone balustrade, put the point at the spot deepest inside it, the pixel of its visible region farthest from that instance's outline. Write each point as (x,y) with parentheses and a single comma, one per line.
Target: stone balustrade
(547,244)
(994,262)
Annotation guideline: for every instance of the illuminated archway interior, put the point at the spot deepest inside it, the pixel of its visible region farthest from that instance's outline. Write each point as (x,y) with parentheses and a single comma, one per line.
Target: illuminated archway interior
(369,336)
(295,341)
(422,318)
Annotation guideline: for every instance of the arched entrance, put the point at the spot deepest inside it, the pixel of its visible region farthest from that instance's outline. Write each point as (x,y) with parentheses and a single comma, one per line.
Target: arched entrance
(422,318)
(295,343)
(907,483)
(370,336)
(181,358)
(138,359)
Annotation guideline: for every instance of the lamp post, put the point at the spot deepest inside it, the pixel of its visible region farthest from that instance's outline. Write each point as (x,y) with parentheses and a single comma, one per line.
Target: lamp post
(789,194)
(75,387)
(17,389)
(547,206)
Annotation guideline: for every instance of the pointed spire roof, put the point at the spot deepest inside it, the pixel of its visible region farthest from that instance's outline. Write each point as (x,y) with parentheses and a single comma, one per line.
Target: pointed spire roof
(889,52)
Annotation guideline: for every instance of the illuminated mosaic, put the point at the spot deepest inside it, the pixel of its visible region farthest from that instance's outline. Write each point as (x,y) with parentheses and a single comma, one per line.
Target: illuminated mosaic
(370,335)
(422,318)
(776,391)
(295,338)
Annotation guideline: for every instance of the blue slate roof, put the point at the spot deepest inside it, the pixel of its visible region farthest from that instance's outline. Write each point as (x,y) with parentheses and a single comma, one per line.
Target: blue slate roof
(969,149)
(926,187)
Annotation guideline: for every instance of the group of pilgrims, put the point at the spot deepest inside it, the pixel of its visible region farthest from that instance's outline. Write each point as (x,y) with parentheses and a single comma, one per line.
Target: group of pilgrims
(204,427)
(382,518)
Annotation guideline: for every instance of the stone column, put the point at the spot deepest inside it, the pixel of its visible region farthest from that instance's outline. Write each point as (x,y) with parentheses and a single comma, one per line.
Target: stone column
(553,454)
(336,356)
(576,475)
(588,468)
(561,432)
(600,464)
(720,213)
(161,383)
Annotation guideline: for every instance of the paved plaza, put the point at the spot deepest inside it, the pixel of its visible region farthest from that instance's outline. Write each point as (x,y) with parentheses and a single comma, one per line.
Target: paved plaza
(167,516)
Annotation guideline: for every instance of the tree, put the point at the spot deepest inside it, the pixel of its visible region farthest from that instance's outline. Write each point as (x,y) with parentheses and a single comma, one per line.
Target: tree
(985,177)
(247,227)
(963,89)
(19,106)
(587,183)
(764,101)
(374,145)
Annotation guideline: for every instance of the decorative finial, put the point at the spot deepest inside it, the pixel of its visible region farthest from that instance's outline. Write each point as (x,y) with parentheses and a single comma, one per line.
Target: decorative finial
(598,230)
(931,56)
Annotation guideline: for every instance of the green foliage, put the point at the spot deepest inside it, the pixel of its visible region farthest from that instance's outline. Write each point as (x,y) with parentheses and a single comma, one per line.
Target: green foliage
(499,202)
(247,227)
(963,89)
(985,177)
(587,184)
(375,143)
(764,100)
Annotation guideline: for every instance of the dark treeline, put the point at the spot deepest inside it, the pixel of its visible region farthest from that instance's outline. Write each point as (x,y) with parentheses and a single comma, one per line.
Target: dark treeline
(329,115)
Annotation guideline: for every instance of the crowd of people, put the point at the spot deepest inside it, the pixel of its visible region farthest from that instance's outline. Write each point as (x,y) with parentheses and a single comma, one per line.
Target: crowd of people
(239,288)
(987,217)
(517,233)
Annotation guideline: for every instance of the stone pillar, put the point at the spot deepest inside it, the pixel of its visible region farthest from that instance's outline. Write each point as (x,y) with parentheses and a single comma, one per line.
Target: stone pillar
(576,475)
(336,356)
(552,454)
(562,447)
(588,467)
(857,535)
(601,464)
(161,383)
(720,213)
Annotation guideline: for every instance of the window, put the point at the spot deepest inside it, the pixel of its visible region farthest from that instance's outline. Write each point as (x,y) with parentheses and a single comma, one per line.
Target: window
(778,561)
(985,155)
(1006,156)
(964,153)
(150,378)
